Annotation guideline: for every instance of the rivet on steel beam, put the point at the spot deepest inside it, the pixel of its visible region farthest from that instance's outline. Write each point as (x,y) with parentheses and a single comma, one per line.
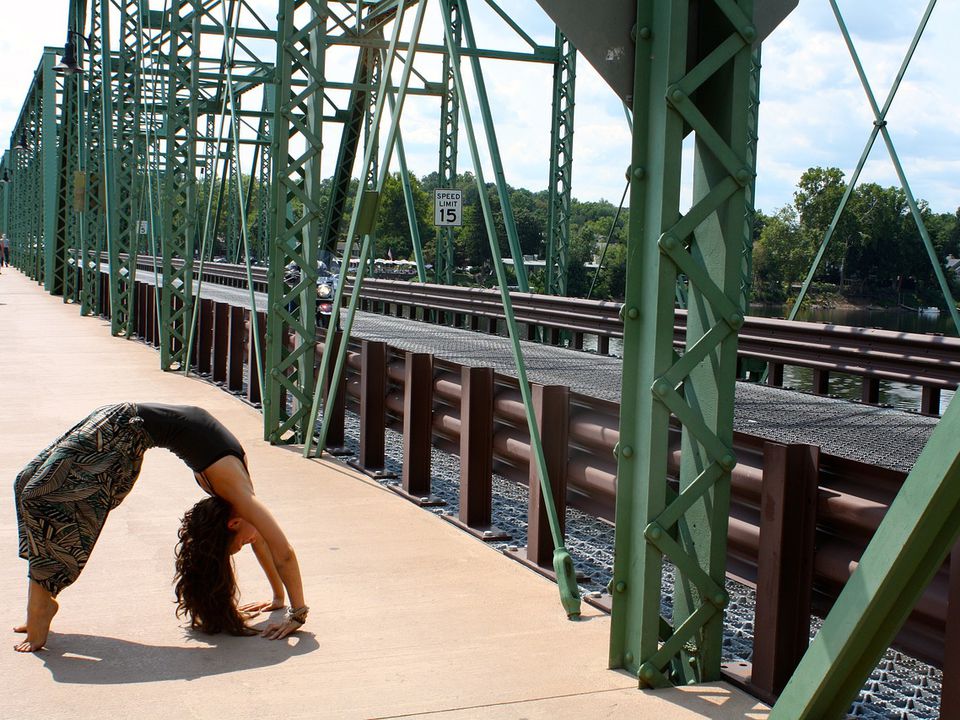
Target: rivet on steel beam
(669,242)
(660,387)
(743,176)
(735,320)
(749,33)
(627,451)
(616,449)
(645,33)
(639,173)
(628,657)
(880,123)
(647,672)
(633,313)
(633,32)
(628,173)
(676,95)
(720,599)
(621,587)
(728,462)
(653,531)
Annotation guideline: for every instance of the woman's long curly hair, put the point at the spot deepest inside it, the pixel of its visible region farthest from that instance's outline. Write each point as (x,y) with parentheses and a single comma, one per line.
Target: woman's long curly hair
(204,581)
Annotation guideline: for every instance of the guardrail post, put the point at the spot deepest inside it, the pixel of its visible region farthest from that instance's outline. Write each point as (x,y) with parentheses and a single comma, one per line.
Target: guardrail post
(140,311)
(784,564)
(950,688)
(235,349)
(104,308)
(821,381)
(204,339)
(221,336)
(417,429)
(930,400)
(336,438)
(476,455)
(870,390)
(373,409)
(603,344)
(257,324)
(153,325)
(775,374)
(551,407)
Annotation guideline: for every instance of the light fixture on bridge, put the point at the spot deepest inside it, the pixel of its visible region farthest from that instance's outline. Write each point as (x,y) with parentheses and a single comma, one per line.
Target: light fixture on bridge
(5,178)
(21,144)
(69,63)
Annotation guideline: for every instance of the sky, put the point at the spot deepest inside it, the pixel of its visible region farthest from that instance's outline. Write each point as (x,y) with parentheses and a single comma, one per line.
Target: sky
(813,109)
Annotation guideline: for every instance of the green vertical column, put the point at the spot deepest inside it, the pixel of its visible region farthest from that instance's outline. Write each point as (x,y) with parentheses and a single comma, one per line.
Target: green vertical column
(37,211)
(120,110)
(561,166)
(706,245)
(51,176)
(749,218)
(179,221)
(92,239)
(449,132)
(6,178)
(296,216)
(67,225)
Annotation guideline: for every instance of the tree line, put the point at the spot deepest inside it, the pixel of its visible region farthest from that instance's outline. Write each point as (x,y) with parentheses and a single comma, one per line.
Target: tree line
(876,251)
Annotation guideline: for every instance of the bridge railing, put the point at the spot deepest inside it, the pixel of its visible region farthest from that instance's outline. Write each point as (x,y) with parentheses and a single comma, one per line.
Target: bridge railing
(929,361)
(799,518)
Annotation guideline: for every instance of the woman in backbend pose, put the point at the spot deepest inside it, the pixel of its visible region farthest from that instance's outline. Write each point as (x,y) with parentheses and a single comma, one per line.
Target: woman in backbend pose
(64,494)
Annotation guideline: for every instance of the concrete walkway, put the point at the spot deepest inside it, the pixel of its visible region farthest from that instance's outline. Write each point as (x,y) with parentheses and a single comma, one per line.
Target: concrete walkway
(410,617)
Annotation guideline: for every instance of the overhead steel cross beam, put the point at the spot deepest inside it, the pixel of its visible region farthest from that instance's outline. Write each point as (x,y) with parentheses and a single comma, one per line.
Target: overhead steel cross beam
(880,127)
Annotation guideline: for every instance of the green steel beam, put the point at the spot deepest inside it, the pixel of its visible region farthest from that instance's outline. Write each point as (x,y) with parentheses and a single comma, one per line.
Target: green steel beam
(705,88)
(179,221)
(120,137)
(449,131)
(93,229)
(880,127)
(296,212)
(905,553)
(493,147)
(561,166)
(53,251)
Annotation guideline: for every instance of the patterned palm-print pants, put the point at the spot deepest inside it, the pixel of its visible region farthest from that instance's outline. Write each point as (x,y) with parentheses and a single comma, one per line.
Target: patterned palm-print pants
(64,494)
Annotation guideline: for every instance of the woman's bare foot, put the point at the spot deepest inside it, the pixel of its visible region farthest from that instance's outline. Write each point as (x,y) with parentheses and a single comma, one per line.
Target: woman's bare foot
(41,607)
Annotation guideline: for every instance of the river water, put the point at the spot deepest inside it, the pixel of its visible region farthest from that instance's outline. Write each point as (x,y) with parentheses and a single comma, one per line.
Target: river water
(894,394)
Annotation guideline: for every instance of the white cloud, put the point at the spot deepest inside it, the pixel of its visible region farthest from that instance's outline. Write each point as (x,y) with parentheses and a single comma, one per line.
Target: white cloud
(813,110)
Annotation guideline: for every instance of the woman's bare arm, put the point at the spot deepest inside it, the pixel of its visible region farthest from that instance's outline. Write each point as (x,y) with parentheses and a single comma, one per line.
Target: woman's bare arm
(262,551)
(229,480)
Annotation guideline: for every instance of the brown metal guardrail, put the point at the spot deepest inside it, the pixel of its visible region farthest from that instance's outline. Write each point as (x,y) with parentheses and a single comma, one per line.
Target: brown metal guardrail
(929,361)
(799,518)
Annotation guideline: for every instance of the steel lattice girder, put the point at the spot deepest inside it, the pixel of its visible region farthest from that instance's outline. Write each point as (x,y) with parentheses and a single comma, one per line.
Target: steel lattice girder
(301,49)
(561,166)
(706,245)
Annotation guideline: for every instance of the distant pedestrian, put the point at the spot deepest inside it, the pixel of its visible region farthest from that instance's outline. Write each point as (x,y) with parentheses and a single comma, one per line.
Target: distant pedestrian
(4,250)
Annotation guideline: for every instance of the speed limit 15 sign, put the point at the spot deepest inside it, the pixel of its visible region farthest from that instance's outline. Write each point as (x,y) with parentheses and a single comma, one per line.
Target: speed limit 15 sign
(448,208)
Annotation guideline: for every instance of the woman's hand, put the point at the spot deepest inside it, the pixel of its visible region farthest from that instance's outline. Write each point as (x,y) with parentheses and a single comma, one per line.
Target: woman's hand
(258,607)
(278,631)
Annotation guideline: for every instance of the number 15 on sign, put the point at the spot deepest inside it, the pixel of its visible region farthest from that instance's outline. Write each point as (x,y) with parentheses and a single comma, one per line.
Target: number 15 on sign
(448,208)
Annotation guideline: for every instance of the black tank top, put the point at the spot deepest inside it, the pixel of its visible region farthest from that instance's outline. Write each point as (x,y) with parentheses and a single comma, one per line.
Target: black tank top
(191,433)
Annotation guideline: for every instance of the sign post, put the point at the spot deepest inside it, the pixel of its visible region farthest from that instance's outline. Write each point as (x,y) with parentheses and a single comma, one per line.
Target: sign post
(448,208)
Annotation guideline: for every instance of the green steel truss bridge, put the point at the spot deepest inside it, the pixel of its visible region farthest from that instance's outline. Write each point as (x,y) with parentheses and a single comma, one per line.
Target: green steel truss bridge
(125,131)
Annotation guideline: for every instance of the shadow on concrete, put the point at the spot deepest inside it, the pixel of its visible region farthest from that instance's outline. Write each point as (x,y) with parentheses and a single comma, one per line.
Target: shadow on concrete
(97,660)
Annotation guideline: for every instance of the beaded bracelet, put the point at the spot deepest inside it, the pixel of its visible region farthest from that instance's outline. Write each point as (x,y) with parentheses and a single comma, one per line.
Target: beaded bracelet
(297,615)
